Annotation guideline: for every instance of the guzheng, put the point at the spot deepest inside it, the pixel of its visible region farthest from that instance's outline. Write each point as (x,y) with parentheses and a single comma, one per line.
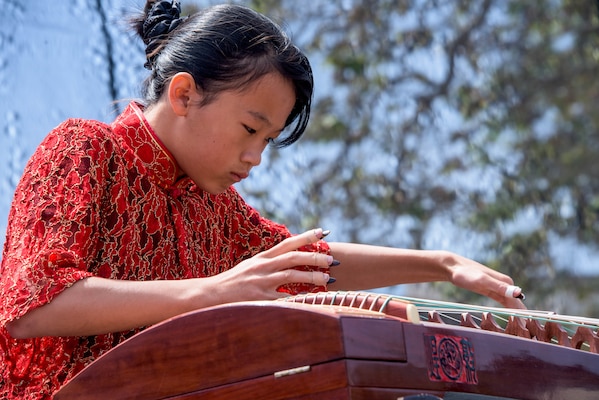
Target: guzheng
(350,345)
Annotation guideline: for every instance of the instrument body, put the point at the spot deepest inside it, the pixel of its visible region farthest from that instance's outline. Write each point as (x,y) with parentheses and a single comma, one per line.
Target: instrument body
(293,350)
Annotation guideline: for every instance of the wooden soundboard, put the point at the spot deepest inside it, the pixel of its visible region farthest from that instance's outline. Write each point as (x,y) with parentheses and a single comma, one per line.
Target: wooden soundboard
(293,350)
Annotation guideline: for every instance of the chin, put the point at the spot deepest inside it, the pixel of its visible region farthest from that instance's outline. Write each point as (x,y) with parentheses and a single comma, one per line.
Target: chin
(209,189)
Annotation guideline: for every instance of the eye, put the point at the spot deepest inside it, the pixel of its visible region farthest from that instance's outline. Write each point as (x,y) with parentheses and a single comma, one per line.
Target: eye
(250,130)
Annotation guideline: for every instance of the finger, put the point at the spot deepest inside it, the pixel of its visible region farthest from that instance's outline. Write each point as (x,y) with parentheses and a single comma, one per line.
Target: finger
(489,286)
(295,242)
(313,235)
(494,273)
(315,278)
(509,295)
(514,303)
(296,258)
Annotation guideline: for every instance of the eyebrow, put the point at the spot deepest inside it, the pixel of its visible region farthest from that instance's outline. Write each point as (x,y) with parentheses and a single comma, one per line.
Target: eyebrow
(263,118)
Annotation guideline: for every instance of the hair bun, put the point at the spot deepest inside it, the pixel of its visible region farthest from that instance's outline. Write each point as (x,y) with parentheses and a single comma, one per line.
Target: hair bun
(161,19)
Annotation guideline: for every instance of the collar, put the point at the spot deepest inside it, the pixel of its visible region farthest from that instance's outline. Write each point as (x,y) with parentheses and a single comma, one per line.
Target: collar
(135,132)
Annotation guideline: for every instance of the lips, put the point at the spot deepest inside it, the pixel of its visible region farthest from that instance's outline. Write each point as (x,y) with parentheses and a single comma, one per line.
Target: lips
(239,176)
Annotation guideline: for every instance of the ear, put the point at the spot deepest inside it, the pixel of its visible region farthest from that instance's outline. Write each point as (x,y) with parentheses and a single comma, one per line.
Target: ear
(181,92)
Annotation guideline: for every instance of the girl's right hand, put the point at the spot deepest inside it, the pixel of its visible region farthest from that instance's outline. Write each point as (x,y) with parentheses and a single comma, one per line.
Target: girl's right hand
(258,278)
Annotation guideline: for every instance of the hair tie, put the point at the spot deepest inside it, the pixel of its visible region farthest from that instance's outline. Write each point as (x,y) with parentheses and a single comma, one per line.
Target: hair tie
(161,19)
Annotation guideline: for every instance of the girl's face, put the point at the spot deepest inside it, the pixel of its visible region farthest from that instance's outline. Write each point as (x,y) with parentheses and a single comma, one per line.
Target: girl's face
(222,141)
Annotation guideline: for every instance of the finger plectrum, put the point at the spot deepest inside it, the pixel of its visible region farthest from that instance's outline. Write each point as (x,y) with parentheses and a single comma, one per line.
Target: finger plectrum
(510,291)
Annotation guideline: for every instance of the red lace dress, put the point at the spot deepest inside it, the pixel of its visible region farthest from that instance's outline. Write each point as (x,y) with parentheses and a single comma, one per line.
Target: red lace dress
(103,200)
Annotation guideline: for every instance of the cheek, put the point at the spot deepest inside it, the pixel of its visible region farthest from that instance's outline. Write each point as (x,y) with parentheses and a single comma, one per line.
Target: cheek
(190,156)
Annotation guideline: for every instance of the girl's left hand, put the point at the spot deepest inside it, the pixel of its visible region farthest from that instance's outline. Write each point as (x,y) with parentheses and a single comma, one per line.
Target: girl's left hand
(469,274)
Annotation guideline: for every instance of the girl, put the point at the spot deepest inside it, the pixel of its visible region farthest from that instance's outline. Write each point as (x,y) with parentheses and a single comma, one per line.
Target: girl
(117,227)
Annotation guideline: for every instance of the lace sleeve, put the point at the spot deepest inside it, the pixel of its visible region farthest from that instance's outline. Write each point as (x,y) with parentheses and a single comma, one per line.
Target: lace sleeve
(51,222)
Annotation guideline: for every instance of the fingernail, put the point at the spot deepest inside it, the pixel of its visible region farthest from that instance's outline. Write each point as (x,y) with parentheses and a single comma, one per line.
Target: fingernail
(331,280)
(332,262)
(325,233)
(521,296)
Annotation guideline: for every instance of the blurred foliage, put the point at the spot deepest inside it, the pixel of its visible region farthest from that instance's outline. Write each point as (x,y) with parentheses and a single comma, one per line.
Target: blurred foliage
(464,124)
(478,114)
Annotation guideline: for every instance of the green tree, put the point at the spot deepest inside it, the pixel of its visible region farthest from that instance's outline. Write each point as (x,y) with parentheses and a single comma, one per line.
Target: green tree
(470,120)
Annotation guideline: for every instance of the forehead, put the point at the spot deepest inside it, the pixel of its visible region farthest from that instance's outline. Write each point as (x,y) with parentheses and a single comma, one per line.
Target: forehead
(268,99)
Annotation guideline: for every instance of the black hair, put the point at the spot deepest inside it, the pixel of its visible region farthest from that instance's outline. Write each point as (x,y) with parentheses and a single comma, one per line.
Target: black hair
(224,47)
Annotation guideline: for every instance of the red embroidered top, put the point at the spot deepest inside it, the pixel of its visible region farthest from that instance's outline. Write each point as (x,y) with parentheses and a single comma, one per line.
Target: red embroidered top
(103,200)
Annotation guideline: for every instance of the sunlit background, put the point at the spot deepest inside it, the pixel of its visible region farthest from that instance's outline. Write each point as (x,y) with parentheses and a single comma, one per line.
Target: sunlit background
(74,58)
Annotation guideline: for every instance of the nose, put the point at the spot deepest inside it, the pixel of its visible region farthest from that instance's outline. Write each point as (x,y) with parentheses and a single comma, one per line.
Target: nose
(252,156)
